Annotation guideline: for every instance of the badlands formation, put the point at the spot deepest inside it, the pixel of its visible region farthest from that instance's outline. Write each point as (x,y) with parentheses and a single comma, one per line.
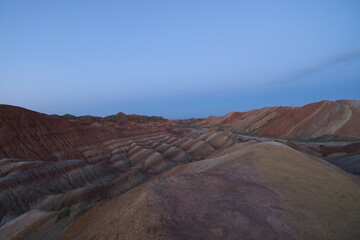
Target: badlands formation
(272,173)
(338,118)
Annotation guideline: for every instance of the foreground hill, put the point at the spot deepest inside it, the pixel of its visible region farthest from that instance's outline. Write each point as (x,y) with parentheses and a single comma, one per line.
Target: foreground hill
(337,118)
(248,191)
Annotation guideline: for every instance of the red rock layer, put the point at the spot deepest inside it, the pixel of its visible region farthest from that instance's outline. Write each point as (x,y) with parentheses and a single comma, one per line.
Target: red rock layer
(35,136)
(339,118)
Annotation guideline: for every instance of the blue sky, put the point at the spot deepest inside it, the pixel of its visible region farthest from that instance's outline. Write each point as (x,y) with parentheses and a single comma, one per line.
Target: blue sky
(177,59)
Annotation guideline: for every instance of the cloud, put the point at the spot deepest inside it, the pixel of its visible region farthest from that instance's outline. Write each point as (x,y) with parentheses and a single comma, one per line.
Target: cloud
(317,68)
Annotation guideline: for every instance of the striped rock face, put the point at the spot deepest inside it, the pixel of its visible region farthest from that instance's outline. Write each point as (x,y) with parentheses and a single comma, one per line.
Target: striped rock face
(139,177)
(108,158)
(338,118)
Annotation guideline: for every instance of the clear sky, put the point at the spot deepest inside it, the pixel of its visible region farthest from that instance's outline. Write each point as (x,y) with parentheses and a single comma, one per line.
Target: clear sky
(177,59)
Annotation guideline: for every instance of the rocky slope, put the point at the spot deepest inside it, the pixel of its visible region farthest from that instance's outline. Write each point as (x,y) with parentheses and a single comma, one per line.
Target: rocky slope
(338,118)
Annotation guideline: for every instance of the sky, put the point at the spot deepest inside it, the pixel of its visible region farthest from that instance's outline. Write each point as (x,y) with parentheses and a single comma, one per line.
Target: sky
(177,59)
